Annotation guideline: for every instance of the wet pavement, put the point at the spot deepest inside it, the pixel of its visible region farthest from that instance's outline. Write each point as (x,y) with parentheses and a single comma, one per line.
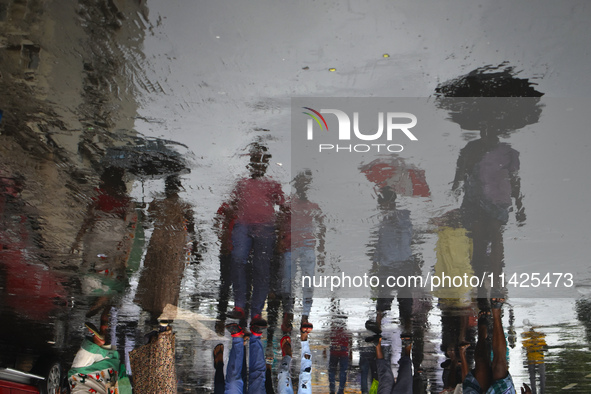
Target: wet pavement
(151,175)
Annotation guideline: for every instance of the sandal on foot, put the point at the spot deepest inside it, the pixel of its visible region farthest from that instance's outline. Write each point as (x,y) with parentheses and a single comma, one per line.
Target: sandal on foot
(258,325)
(236,313)
(306,327)
(373,326)
(406,340)
(464,345)
(282,341)
(235,330)
(374,339)
(497,303)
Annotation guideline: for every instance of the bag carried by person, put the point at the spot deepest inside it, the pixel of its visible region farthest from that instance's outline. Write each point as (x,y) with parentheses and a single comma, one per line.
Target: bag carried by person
(374,387)
(152,366)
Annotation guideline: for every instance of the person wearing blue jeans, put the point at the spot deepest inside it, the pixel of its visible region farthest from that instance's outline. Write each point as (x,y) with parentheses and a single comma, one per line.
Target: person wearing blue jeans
(367,365)
(387,383)
(261,239)
(301,228)
(284,385)
(256,362)
(306,257)
(340,353)
(342,362)
(253,205)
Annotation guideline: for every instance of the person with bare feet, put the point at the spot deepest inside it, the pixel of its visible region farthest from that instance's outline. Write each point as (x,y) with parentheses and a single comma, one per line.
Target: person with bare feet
(284,385)
(487,377)
(455,370)
(387,383)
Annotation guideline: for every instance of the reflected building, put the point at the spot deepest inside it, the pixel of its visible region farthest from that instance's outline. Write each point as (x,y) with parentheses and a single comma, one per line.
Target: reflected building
(68,88)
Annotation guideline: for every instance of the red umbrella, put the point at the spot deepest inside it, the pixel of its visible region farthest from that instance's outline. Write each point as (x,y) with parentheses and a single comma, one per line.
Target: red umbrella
(405,179)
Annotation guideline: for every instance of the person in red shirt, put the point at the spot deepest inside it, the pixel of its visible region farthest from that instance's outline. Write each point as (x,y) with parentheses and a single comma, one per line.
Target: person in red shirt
(253,202)
(340,353)
(302,226)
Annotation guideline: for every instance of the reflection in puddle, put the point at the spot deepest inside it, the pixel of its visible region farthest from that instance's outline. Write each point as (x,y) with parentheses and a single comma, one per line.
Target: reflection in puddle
(154,260)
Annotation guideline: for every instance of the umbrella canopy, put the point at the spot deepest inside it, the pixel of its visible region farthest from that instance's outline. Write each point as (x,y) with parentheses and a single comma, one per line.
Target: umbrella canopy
(405,179)
(491,98)
(149,157)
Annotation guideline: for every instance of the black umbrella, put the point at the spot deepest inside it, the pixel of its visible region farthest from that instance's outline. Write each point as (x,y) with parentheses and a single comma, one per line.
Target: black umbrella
(490,98)
(149,157)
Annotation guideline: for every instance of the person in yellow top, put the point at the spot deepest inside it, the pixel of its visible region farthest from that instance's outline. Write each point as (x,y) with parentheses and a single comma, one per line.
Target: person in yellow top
(454,255)
(534,344)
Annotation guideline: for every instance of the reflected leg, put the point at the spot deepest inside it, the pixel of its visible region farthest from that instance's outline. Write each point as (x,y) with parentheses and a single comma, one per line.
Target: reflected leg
(307,259)
(286,285)
(497,257)
(364,361)
(241,245)
(332,371)
(224,294)
(532,377)
(343,369)
(542,371)
(264,241)
(480,258)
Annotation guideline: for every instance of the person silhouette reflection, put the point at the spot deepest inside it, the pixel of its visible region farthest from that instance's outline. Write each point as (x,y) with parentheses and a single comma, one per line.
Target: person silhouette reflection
(301,229)
(167,253)
(534,342)
(107,236)
(488,170)
(340,353)
(494,102)
(254,200)
(224,224)
(392,256)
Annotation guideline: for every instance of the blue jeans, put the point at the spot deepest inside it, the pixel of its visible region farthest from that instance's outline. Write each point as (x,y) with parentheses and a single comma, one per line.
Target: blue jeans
(333,363)
(306,257)
(386,378)
(261,239)
(256,370)
(367,364)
